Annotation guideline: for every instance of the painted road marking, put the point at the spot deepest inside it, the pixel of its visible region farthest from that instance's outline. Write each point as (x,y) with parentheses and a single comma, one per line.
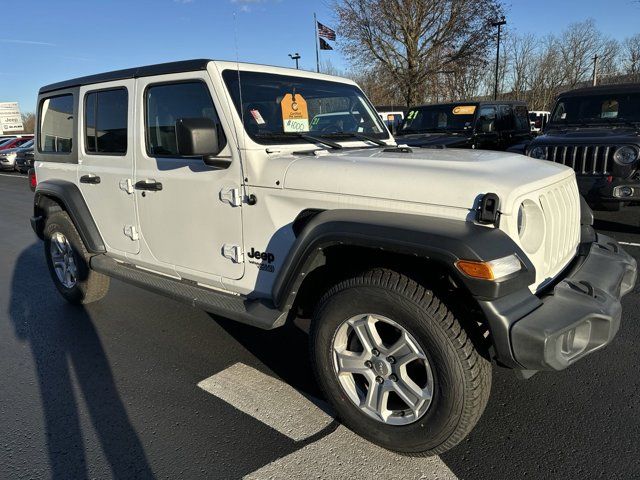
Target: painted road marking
(264,397)
(631,244)
(12,176)
(343,454)
(339,454)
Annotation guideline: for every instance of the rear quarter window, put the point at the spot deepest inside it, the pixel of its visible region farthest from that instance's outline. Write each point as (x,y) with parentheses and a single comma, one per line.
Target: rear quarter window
(56,124)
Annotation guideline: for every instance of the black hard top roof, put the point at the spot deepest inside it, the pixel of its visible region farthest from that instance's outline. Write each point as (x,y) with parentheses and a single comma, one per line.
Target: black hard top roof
(603,90)
(148,71)
(474,102)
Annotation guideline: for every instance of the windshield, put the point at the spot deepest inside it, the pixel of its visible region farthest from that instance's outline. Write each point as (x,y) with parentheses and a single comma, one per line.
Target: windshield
(597,109)
(282,108)
(439,118)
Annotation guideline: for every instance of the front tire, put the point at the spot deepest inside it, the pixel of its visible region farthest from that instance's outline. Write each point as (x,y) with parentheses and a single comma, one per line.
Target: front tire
(68,262)
(396,365)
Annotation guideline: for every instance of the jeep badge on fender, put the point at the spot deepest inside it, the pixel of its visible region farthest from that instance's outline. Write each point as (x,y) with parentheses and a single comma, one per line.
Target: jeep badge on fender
(266,256)
(365,252)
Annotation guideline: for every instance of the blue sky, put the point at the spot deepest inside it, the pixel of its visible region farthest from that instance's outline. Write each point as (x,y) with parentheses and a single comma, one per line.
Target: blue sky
(81,37)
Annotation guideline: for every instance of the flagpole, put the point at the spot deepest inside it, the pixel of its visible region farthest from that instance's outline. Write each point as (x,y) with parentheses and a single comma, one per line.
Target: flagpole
(315,26)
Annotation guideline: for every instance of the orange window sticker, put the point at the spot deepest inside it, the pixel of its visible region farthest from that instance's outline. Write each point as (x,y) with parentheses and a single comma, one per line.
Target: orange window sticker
(295,116)
(464,110)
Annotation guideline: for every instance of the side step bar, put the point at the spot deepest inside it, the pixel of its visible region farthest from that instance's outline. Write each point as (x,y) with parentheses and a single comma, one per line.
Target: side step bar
(257,313)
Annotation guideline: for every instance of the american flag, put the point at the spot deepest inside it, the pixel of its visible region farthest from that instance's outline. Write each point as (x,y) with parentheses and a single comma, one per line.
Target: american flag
(324,45)
(326,32)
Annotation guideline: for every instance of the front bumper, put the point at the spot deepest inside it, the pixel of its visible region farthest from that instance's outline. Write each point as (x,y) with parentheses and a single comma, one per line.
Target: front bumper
(579,316)
(598,189)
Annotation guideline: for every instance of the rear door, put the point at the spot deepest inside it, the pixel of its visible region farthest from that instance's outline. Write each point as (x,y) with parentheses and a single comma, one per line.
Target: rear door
(105,162)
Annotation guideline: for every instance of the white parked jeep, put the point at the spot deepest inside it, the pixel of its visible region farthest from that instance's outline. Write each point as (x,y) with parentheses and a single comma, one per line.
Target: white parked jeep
(216,183)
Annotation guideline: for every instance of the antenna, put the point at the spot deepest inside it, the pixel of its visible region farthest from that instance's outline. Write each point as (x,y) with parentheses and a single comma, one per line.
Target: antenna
(235,34)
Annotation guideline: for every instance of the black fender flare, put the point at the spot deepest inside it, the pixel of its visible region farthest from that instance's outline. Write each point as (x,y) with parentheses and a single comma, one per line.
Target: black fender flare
(440,239)
(70,198)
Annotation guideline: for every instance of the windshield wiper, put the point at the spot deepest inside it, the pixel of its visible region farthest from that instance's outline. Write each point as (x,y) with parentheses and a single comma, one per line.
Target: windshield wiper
(360,136)
(313,138)
(304,136)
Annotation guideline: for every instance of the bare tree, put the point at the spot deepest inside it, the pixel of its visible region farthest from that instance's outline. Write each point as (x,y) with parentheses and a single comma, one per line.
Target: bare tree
(28,122)
(413,40)
(522,53)
(631,55)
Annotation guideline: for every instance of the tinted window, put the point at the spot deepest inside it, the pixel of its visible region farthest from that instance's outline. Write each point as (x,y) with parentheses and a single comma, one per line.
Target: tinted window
(522,120)
(56,124)
(506,121)
(106,122)
(486,119)
(594,109)
(438,118)
(166,104)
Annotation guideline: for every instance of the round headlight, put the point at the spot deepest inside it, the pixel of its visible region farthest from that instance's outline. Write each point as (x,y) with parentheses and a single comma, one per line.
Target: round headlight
(625,155)
(538,152)
(522,220)
(531,226)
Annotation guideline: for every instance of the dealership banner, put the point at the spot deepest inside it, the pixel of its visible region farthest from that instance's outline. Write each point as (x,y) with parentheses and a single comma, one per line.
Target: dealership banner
(10,117)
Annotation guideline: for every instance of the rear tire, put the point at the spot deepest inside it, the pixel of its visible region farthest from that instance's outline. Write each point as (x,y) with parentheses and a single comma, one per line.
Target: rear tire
(460,377)
(68,262)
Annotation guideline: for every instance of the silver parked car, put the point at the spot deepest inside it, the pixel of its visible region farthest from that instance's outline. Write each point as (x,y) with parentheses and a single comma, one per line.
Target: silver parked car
(8,157)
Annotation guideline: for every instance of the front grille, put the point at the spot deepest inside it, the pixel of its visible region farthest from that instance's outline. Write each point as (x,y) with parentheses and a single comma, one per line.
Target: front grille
(561,206)
(584,159)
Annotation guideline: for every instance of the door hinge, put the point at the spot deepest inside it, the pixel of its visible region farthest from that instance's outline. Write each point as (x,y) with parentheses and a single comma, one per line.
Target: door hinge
(131,232)
(231,195)
(126,185)
(233,253)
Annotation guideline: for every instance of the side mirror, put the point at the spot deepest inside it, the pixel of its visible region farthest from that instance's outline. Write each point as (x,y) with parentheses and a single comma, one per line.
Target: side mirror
(200,137)
(486,125)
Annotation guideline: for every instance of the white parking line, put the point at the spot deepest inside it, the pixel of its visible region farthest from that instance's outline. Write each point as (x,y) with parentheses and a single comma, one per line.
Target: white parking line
(631,244)
(340,454)
(263,397)
(343,454)
(12,176)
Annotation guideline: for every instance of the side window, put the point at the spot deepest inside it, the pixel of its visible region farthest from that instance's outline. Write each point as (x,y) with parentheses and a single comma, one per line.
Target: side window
(56,124)
(165,104)
(105,125)
(522,119)
(506,120)
(486,122)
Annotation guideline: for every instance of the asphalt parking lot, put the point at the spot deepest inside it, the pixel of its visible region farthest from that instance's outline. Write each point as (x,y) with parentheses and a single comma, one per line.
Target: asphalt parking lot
(140,386)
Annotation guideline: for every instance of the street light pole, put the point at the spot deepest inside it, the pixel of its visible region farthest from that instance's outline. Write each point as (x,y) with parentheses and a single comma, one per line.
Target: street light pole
(498,24)
(296,57)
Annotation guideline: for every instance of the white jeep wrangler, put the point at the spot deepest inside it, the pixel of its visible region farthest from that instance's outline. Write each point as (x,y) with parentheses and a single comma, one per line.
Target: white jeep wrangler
(262,193)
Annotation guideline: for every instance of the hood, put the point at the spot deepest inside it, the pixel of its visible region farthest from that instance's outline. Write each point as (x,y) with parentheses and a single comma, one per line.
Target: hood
(433,139)
(448,177)
(596,134)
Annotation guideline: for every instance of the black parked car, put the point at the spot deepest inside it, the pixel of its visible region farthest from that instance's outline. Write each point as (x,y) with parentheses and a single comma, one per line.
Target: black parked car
(596,131)
(485,125)
(24,159)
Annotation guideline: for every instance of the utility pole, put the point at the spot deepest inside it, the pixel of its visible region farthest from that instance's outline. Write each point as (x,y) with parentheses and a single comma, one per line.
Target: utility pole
(296,57)
(498,24)
(595,70)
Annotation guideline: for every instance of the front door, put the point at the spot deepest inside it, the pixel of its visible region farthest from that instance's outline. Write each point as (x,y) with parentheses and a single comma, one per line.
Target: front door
(185,208)
(105,162)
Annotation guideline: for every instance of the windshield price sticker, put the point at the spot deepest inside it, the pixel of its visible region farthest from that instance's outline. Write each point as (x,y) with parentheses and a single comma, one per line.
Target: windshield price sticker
(295,116)
(464,110)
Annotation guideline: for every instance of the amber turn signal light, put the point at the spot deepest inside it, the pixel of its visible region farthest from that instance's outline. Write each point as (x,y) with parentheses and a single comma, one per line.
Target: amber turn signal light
(479,270)
(492,270)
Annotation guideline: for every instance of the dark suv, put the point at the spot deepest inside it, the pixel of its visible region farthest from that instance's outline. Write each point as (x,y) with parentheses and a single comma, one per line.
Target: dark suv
(485,125)
(596,131)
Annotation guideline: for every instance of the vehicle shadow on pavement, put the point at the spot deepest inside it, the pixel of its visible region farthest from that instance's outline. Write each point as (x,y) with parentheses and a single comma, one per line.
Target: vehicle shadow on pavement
(66,347)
